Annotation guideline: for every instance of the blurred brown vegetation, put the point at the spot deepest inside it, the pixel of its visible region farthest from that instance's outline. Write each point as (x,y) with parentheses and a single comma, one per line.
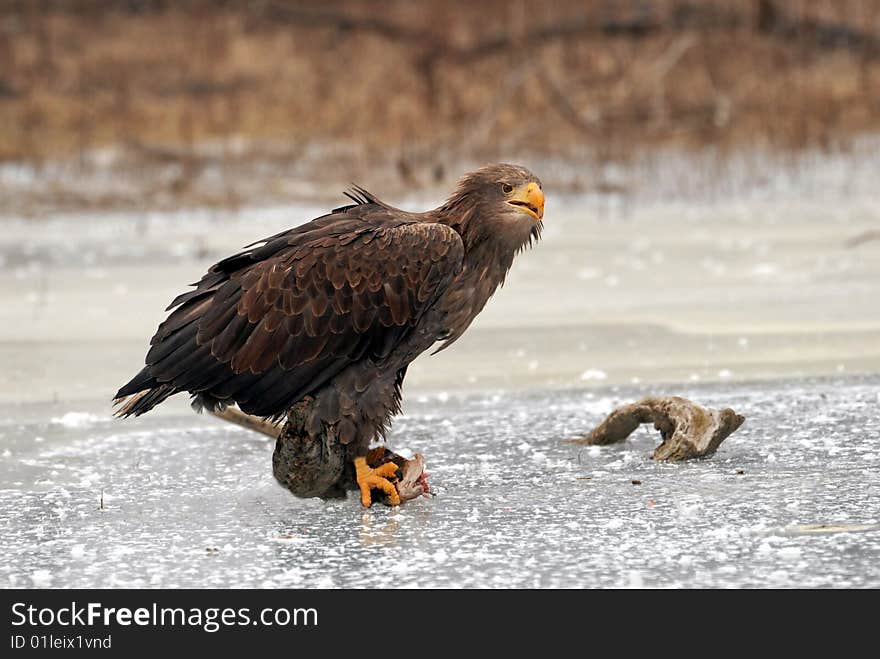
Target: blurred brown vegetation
(343,88)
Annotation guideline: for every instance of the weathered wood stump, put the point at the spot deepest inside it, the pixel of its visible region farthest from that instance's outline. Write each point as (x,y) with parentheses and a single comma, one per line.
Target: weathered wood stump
(317,465)
(687,429)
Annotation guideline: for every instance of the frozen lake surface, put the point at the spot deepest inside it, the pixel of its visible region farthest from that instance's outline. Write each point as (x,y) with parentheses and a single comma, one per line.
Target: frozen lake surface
(190,501)
(766,302)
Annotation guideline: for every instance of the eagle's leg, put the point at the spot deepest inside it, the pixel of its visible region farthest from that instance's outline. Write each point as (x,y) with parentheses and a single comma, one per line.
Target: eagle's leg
(369,479)
(309,464)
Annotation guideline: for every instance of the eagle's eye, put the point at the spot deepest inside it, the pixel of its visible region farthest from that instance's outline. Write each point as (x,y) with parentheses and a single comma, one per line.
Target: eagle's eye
(507,188)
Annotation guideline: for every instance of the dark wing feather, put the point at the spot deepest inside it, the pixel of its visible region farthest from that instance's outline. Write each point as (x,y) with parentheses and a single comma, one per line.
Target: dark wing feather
(267,326)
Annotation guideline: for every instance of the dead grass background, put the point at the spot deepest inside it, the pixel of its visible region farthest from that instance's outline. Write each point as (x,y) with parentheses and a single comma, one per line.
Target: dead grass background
(211,101)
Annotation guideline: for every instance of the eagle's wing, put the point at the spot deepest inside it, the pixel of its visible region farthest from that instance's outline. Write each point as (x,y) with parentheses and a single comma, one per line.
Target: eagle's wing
(267,326)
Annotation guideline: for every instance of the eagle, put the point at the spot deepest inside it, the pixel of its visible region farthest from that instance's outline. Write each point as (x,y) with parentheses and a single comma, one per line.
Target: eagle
(336,309)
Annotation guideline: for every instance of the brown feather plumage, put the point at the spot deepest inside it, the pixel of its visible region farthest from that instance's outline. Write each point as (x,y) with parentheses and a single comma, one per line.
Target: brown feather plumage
(348,290)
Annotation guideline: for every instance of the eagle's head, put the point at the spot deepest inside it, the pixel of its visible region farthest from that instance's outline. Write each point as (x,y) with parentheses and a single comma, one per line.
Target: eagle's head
(502,201)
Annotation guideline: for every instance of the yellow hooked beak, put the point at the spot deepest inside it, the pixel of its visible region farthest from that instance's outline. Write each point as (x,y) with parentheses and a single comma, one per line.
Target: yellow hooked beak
(530,199)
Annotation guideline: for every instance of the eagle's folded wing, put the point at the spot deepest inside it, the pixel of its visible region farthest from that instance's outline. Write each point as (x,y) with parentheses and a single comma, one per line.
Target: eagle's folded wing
(269,325)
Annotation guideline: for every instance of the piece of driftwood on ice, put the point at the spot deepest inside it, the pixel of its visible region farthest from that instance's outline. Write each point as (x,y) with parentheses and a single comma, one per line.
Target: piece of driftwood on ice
(687,429)
(316,466)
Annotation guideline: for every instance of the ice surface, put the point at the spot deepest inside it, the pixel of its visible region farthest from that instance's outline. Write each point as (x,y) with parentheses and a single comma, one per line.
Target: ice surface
(738,301)
(190,502)
(83,295)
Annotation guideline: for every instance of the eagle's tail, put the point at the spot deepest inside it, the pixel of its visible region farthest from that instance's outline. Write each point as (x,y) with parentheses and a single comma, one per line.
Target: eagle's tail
(141,395)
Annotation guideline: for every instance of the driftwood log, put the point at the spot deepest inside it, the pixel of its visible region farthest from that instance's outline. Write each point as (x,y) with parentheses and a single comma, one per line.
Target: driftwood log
(317,466)
(687,429)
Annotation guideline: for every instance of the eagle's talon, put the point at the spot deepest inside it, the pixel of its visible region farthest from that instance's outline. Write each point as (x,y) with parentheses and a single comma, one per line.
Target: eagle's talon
(369,479)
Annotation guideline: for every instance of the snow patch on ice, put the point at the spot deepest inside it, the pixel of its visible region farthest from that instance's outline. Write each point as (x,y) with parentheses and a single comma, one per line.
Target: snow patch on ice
(765,269)
(635,579)
(789,553)
(76,419)
(41,578)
